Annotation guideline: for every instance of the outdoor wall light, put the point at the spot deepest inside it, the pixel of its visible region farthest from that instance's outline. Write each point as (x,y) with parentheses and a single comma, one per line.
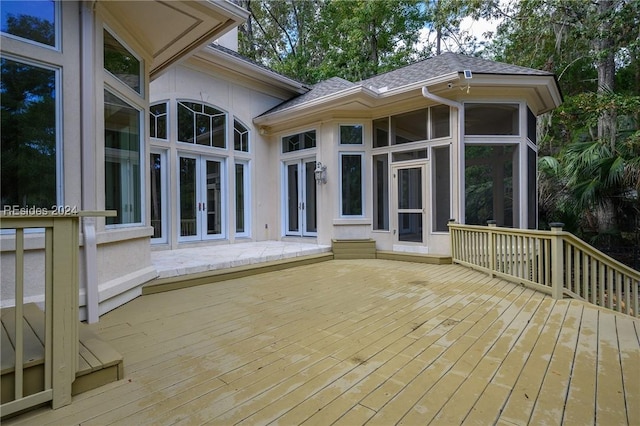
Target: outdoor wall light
(320,173)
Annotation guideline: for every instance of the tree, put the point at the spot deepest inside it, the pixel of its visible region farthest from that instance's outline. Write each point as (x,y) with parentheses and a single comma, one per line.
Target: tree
(590,175)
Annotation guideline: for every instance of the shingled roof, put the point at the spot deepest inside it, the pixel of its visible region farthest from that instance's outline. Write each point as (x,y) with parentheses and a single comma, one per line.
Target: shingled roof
(427,69)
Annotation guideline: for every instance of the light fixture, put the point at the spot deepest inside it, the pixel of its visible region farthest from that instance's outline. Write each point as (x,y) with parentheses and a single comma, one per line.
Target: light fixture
(320,173)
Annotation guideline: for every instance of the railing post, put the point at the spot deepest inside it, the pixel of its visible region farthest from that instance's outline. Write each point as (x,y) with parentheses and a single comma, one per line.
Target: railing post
(491,248)
(453,235)
(65,307)
(557,260)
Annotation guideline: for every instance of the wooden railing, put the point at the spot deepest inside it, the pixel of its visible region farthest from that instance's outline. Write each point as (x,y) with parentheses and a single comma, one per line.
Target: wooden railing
(60,307)
(555,262)
(61,246)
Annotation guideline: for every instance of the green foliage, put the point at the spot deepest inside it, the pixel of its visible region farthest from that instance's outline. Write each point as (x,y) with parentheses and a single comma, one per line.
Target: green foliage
(353,39)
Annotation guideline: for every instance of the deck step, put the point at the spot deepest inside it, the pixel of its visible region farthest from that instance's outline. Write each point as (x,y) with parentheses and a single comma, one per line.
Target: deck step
(160,285)
(433,259)
(353,249)
(98,363)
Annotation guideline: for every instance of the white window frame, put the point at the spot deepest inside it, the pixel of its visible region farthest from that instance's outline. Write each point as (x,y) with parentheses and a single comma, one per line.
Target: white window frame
(164,189)
(340,126)
(360,154)
(168,115)
(57,30)
(247,198)
(133,53)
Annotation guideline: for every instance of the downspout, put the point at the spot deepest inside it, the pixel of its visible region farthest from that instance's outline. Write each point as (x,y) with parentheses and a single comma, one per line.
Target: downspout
(460,108)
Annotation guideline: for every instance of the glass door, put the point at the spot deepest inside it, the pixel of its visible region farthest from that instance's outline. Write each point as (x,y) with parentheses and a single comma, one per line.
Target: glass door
(410,197)
(300,190)
(201,198)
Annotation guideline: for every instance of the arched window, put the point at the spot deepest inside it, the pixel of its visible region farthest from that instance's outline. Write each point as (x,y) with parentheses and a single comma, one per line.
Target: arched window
(201,124)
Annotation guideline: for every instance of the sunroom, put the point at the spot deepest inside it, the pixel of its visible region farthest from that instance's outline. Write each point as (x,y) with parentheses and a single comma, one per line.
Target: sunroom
(399,155)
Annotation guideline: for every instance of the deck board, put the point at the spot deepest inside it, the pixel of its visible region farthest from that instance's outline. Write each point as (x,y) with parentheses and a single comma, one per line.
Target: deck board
(362,341)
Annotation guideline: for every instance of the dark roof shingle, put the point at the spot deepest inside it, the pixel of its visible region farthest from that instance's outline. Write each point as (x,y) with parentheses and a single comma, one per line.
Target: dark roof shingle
(445,63)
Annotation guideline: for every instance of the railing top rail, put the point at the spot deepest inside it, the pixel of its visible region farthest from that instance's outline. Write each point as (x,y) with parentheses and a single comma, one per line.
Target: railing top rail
(567,236)
(502,230)
(43,218)
(602,257)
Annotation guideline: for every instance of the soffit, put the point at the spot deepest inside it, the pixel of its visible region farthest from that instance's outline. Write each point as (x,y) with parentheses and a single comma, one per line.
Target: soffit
(172,30)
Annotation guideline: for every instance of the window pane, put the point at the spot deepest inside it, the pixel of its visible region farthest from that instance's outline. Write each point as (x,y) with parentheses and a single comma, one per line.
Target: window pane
(299,141)
(188,206)
(381,192)
(491,119)
(32,20)
(158,121)
(156,194)
(531,126)
(219,135)
(351,168)
(489,185)
(122,160)
(29,129)
(121,63)
(441,189)
(409,127)
(351,135)
(240,137)
(214,198)
(532,188)
(381,132)
(203,129)
(239,198)
(310,210)
(440,127)
(186,123)
(409,155)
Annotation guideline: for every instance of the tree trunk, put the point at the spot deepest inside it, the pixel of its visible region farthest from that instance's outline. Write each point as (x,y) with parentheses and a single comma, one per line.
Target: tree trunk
(604,48)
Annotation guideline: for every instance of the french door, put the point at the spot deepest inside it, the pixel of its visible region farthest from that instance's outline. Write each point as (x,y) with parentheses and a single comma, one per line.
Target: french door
(300,194)
(201,198)
(409,190)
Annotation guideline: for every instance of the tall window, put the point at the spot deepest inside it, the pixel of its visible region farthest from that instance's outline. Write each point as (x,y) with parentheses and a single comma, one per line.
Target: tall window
(158,121)
(351,184)
(242,198)
(490,180)
(122,160)
(240,137)
(29,153)
(33,20)
(441,188)
(202,125)
(121,63)
(299,141)
(381,192)
(157,195)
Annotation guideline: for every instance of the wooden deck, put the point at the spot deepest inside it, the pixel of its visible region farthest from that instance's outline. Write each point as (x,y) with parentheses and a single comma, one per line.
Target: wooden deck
(363,341)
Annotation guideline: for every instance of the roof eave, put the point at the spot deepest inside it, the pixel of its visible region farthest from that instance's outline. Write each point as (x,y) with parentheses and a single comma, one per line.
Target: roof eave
(169,31)
(366,95)
(250,70)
